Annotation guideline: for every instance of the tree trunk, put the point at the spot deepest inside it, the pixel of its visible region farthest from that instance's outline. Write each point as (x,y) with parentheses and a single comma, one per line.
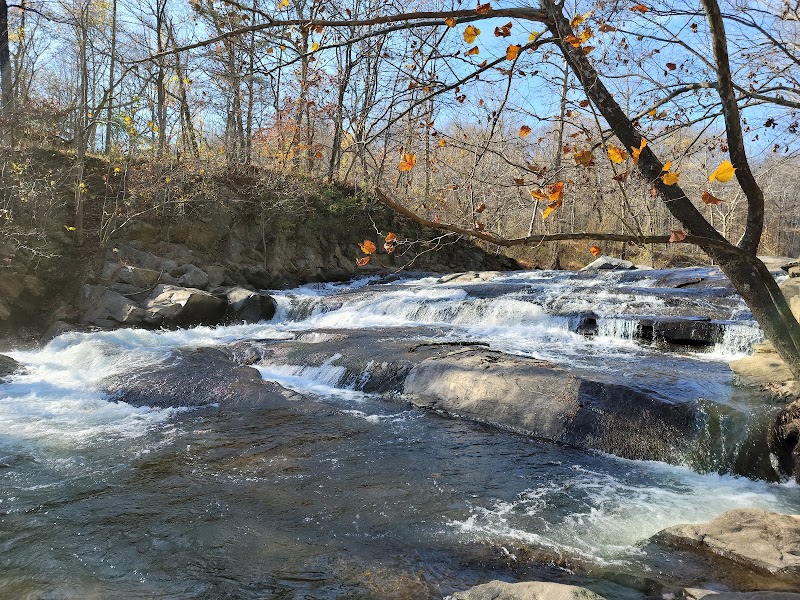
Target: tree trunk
(6,83)
(111,69)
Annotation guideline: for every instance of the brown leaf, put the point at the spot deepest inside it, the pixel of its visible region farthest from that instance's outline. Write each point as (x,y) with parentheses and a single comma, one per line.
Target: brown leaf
(362,261)
(483,9)
(524,131)
(621,177)
(583,103)
(606,28)
(640,8)
(677,236)
(671,66)
(481,207)
(708,198)
(503,31)
(519,180)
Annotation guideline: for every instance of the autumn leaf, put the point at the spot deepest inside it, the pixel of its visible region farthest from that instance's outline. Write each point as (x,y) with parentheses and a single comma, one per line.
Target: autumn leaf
(616,155)
(472,51)
(537,194)
(362,261)
(573,40)
(503,31)
(481,207)
(479,226)
(606,28)
(390,237)
(583,103)
(368,247)
(524,131)
(586,35)
(584,157)
(532,37)
(470,33)
(555,192)
(587,50)
(670,177)
(723,173)
(621,177)
(512,51)
(283,4)
(579,19)
(635,152)
(550,208)
(677,236)
(483,9)
(314,47)
(450,21)
(595,251)
(640,8)
(519,180)
(441,143)
(408,162)
(671,66)
(708,198)
(667,166)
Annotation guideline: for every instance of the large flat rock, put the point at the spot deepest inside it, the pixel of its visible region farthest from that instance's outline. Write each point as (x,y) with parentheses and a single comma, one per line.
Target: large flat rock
(526,590)
(754,538)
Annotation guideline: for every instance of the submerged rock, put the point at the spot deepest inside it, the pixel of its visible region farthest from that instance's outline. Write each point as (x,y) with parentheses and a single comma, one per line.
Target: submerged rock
(526,590)
(753,538)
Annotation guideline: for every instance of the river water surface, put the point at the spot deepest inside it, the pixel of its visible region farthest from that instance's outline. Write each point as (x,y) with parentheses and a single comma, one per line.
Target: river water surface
(336,493)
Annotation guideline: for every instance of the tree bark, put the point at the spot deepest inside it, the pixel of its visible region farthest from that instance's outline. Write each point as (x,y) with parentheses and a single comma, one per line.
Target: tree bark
(6,83)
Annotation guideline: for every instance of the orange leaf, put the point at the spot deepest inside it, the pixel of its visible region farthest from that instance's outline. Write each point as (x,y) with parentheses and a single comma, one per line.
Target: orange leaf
(441,143)
(470,33)
(390,237)
(670,177)
(524,130)
(577,20)
(555,192)
(483,9)
(537,194)
(587,49)
(512,51)
(550,208)
(472,51)
(635,152)
(584,157)
(606,28)
(368,247)
(450,21)
(708,198)
(640,8)
(408,162)
(677,236)
(616,155)
(362,261)
(573,40)
(595,251)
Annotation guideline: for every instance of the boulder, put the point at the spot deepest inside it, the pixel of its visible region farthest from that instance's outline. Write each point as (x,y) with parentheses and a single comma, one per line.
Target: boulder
(754,538)
(247,306)
(526,590)
(7,366)
(541,399)
(606,263)
(784,440)
(184,307)
(192,277)
(102,307)
(697,594)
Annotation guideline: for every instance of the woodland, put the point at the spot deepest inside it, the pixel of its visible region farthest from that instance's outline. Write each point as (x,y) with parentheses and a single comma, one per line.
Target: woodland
(646,130)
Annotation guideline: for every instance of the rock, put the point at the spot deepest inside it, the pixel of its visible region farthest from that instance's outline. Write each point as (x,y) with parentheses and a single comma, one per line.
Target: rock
(469,277)
(247,306)
(794,271)
(527,590)
(192,277)
(605,263)
(697,594)
(196,377)
(788,266)
(7,366)
(129,256)
(754,538)
(56,329)
(784,440)
(216,275)
(184,307)
(105,308)
(540,399)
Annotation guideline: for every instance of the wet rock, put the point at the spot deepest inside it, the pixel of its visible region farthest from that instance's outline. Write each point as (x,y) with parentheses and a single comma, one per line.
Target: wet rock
(102,307)
(56,329)
(470,277)
(754,538)
(605,263)
(789,266)
(7,366)
(247,306)
(698,331)
(697,594)
(192,277)
(784,440)
(540,399)
(527,590)
(184,307)
(196,377)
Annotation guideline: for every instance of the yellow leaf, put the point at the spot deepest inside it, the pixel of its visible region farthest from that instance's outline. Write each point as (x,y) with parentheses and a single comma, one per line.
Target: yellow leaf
(368,247)
(586,35)
(723,173)
(450,21)
(577,20)
(670,178)
(473,51)
(441,143)
(635,152)
(470,33)
(512,51)
(283,4)
(167,179)
(524,131)
(584,157)
(408,162)
(532,37)
(548,211)
(616,155)
(667,166)
(314,47)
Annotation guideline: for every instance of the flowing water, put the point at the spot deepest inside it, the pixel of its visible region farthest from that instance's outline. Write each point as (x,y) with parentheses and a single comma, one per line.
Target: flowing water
(335,493)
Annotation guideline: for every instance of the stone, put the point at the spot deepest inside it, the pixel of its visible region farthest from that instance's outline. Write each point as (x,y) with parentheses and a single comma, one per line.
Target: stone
(184,307)
(105,308)
(605,263)
(752,537)
(526,590)
(788,266)
(216,275)
(193,277)
(247,306)
(784,440)
(697,594)
(56,329)
(7,366)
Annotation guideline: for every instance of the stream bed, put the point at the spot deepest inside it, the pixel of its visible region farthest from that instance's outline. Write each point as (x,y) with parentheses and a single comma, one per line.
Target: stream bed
(328,491)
